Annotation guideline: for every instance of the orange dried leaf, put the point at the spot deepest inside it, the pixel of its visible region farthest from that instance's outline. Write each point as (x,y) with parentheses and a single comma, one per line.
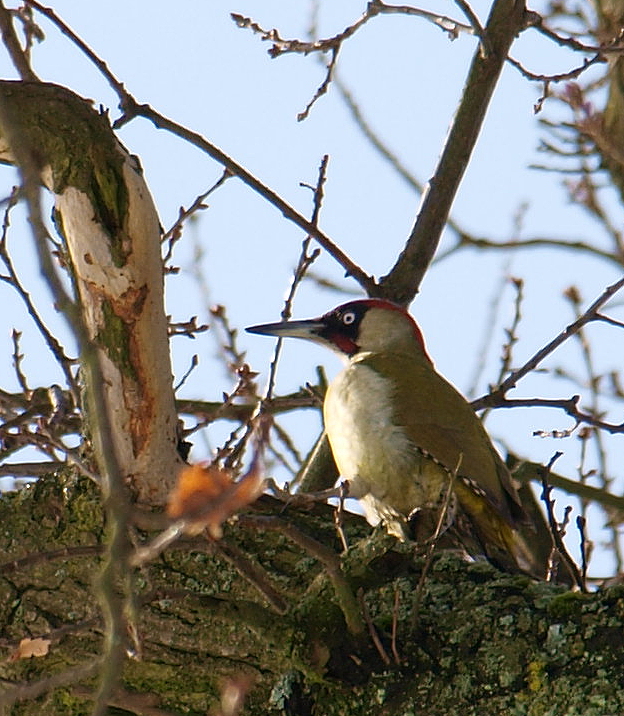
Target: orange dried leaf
(31,647)
(208,496)
(197,486)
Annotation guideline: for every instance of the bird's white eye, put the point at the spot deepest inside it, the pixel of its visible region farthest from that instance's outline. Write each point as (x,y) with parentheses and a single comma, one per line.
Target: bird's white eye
(348,318)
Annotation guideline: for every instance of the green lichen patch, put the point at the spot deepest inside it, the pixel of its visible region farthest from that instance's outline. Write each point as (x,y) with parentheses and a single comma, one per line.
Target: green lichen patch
(67,134)
(475,642)
(115,338)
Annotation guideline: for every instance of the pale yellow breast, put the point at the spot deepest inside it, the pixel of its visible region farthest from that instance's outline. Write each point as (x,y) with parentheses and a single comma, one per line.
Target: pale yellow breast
(380,460)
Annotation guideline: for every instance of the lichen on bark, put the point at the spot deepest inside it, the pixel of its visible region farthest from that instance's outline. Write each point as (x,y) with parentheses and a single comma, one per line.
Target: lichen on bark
(76,143)
(115,340)
(482,642)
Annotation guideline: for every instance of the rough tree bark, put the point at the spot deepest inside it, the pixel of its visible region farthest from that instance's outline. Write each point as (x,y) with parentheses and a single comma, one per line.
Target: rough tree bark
(479,642)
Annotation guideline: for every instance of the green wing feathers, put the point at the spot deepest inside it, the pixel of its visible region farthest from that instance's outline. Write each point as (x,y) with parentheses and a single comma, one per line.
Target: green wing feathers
(440,421)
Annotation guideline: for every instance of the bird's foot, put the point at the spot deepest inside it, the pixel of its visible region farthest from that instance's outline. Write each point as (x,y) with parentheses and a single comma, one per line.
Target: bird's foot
(307,499)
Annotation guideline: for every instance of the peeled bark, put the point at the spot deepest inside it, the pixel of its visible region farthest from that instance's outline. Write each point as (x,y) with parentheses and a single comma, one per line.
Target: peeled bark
(105,213)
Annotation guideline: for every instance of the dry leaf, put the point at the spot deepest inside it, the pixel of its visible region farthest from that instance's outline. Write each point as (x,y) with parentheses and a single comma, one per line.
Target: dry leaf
(30,647)
(208,496)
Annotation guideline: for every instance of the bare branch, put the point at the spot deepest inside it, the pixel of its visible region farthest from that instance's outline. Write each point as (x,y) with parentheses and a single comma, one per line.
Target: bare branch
(68,32)
(189,328)
(12,279)
(466,240)
(29,469)
(374,7)
(591,314)
(11,42)
(329,559)
(174,234)
(530,472)
(65,553)
(566,404)
(131,109)
(323,87)
(333,44)
(555,530)
(448,24)
(403,281)
(613,46)
(477,28)
(305,261)
(38,688)
(253,573)
(371,628)
(560,77)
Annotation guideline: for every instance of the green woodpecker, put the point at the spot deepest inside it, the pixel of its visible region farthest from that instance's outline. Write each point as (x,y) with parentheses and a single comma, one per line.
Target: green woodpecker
(404,438)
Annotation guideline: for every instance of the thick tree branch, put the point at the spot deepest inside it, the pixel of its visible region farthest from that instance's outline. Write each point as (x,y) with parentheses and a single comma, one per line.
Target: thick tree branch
(31,161)
(402,282)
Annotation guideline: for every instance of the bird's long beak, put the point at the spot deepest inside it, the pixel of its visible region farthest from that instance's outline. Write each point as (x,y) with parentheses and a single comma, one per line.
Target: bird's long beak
(309,329)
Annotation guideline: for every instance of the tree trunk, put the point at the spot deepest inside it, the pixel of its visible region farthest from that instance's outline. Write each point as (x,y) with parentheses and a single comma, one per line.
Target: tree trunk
(104,211)
(478,642)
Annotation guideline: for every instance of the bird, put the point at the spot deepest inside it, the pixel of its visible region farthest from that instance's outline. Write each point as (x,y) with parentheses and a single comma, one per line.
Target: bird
(409,446)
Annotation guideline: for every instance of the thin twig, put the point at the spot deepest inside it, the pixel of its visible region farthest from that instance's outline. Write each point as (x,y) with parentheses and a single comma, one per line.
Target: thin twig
(53,344)
(68,32)
(131,109)
(329,559)
(11,42)
(29,469)
(433,541)
(371,628)
(581,523)
(252,572)
(562,76)
(32,690)
(65,553)
(511,333)
(614,46)
(188,328)
(305,260)
(477,28)
(489,325)
(323,87)
(555,530)
(449,25)
(17,361)
(281,45)
(466,240)
(339,515)
(189,370)
(232,356)
(591,314)
(284,437)
(597,436)
(174,233)
(395,621)
(135,110)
